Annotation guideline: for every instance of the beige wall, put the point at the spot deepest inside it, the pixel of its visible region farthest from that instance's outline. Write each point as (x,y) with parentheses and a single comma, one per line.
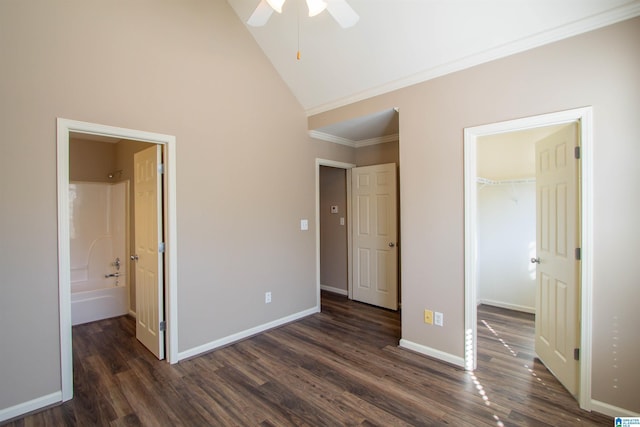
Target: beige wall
(378,154)
(580,71)
(333,236)
(245,165)
(91,160)
(245,171)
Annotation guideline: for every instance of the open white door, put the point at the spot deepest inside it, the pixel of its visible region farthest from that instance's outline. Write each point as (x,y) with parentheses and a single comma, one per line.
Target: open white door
(375,253)
(557,237)
(148,257)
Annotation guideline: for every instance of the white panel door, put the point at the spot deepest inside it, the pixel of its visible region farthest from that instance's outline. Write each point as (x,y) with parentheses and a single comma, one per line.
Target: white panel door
(557,237)
(374,230)
(148,259)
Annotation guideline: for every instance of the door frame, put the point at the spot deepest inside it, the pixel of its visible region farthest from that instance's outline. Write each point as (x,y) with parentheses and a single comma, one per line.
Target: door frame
(64,128)
(584,118)
(347,167)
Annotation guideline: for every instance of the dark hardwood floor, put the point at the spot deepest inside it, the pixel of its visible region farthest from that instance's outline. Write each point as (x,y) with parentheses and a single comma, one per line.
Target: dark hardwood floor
(338,367)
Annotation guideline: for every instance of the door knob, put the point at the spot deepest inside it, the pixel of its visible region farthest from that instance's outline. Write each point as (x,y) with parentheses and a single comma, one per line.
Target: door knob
(134,257)
(535,260)
(391,244)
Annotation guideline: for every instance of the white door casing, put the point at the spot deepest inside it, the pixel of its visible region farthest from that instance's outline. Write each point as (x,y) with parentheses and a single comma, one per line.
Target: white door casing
(557,275)
(374,234)
(65,128)
(148,258)
(583,117)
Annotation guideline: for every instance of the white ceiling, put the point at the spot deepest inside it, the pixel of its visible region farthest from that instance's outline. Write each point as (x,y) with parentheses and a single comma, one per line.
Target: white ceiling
(401,42)
(375,128)
(397,43)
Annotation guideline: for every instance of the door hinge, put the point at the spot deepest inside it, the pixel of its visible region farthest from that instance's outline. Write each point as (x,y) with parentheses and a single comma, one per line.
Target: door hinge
(576,354)
(163,326)
(161,247)
(578,254)
(576,153)
(161,168)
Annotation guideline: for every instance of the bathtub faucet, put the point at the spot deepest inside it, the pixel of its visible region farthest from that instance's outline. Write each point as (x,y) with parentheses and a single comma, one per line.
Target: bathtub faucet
(117,263)
(112,275)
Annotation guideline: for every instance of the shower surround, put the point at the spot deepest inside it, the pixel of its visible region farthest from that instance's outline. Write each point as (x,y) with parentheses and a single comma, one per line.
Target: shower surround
(99,256)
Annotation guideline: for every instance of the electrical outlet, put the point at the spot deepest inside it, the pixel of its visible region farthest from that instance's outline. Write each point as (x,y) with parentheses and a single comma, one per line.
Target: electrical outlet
(438,318)
(428,317)
(267,297)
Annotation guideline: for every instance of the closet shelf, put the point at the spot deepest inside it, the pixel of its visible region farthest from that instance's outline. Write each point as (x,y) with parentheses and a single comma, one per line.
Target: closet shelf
(487,181)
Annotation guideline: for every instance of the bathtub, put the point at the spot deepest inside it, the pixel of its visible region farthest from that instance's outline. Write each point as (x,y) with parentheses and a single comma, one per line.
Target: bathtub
(98,299)
(98,236)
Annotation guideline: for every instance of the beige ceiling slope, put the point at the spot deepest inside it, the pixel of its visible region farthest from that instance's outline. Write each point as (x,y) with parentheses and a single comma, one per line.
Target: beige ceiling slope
(397,43)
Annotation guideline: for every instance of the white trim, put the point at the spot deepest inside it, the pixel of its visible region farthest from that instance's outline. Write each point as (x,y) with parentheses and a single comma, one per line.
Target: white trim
(487,181)
(331,138)
(29,406)
(64,262)
(432,352)
(64,127)
(195,351)
(610,410)
(584,118)
(377,140)
(508,306)
(323,136)
(591,23)
(347,167)
(470,250)
(349,235)
(333,290)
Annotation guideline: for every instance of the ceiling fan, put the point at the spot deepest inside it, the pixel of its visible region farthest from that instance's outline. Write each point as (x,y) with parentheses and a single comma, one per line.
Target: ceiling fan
(339,9)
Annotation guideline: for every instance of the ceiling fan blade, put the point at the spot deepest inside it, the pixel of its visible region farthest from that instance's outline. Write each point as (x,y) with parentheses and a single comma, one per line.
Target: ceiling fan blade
(261,15)
(342,13)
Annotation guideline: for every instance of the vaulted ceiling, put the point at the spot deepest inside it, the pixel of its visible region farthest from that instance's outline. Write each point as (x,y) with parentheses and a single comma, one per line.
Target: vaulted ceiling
(400,42)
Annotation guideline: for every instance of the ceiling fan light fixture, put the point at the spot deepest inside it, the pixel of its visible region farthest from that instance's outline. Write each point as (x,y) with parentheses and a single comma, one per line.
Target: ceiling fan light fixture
(316,7)
(276,5)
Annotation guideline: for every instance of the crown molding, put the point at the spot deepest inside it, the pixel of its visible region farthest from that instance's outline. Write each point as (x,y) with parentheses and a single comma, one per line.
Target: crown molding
(351,143)
(331,138)
(591,23)
(379,140)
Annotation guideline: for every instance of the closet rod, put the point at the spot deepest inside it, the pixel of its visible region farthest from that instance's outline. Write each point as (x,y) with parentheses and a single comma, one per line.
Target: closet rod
(486,181)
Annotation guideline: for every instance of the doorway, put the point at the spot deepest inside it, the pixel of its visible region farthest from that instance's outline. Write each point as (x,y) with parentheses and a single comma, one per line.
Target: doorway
(346,169)
(582,117)
(380,275)
(506,218)
(65,128)
(334,231)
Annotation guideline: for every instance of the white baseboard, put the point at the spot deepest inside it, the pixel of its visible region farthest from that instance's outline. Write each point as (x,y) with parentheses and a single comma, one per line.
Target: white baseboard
(508,306)
(245,334)
(432,352)
(610,410)
(30,406)
(334,290)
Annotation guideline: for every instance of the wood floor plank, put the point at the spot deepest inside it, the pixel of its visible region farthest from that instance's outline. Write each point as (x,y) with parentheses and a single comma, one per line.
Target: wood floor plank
(340,367)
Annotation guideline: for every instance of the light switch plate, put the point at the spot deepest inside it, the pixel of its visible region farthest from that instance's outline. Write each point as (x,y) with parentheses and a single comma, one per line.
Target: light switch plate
(304,224)
(438,319)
